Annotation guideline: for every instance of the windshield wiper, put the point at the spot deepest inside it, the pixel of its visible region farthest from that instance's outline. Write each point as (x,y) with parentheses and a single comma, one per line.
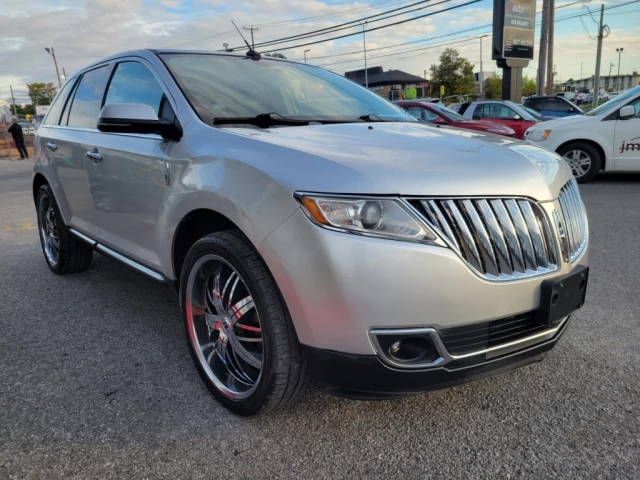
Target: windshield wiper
(264,120)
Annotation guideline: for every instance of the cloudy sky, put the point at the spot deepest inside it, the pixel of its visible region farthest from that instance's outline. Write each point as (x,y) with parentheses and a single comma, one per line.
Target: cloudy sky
(83,31)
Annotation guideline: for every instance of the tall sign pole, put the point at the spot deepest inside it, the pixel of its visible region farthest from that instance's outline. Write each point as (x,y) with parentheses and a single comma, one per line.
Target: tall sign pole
(551,19)
(542,56)
(514,23)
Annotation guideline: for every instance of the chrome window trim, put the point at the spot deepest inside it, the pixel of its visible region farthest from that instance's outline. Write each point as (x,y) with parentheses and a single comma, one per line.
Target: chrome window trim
(445,357)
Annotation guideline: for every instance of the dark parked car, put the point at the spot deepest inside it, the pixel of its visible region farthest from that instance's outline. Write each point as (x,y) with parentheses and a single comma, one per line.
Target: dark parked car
(552,106)
(441,115)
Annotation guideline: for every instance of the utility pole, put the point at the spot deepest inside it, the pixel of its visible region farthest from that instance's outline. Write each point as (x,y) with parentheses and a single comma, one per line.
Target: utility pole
(596,87)
(425,74)
(619,50)
(251,29)
(51,52)
(13,101)
(542,57)
(581,63)
(481,76)
(610,67)
(364,43)
(6,136)
(305,54)
(550,33)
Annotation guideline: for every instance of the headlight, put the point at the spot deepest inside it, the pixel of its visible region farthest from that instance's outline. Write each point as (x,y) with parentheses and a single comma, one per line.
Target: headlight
(366,216)
(538,135)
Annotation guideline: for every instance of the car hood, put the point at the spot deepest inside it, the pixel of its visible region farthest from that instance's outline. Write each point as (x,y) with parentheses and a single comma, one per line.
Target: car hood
(568,121)
(408,158)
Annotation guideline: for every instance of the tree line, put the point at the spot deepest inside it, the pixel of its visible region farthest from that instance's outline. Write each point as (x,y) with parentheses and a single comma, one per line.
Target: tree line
(455,72)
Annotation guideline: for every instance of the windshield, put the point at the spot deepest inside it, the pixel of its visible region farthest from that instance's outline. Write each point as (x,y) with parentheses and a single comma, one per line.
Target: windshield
(532,111)
(447,111)
(614,102)
(521,111)
(221,86)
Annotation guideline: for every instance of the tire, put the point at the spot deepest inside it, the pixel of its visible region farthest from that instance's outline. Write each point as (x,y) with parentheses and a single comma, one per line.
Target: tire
(213,332)
(69,254)
(575,154)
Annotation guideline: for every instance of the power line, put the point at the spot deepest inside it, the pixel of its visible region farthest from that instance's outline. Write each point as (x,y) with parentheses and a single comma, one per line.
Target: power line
(371,6)
(346,25)
(381,27)
(430,38)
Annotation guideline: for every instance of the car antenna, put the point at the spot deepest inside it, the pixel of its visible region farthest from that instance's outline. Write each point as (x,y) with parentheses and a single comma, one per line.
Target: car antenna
(251,53)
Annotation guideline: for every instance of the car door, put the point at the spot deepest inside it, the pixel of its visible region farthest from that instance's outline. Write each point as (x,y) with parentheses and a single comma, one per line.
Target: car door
(78,120)
(63,166)
(128,172)
(500,113)
(626,145)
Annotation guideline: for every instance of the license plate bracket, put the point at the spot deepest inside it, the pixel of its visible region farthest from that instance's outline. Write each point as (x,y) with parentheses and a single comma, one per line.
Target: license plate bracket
(562,296)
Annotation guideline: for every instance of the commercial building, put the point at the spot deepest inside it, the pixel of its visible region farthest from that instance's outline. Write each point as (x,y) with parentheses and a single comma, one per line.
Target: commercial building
(612,83)
(392,84)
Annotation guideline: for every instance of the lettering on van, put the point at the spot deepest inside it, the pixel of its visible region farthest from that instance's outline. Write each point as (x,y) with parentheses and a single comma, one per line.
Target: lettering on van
(630,145)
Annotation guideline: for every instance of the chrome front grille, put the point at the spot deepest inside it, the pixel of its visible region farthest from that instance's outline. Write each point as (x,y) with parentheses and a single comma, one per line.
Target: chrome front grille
(572,232)
(500,238)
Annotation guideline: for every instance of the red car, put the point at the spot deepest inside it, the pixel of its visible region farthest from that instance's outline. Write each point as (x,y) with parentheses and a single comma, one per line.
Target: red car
(500,111)
(441,115)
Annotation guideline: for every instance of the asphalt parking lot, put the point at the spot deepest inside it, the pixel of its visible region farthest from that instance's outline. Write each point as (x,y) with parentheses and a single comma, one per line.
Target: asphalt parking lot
(96,381)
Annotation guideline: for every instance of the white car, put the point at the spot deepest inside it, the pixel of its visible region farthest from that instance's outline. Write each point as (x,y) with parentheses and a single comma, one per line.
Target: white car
(607,138)
(27,128)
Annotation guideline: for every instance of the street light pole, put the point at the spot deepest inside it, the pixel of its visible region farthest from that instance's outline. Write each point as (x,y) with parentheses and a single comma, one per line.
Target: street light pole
(305,54)
(619,50)
(51,52)
(364,43)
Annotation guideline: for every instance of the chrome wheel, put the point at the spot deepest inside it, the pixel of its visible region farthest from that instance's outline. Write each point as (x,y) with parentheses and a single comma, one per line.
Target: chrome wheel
(579,161)
(224,326)
(49,230)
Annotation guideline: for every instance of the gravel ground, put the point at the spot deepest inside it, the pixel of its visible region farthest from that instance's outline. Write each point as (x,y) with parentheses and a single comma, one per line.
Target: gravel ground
(96,381)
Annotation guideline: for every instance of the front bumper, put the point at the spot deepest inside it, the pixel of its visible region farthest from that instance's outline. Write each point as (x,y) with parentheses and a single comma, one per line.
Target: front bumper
(338,287)
(366,377)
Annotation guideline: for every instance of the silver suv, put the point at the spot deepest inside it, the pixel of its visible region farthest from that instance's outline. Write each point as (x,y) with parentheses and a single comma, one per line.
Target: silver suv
(311,228)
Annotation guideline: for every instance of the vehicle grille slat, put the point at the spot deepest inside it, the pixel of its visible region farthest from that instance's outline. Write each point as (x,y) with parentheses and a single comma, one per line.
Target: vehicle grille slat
(490,261)
(510,235)
(497,236)
(535,233)
(466,238)
(500,238)
(574,218)
(523,234)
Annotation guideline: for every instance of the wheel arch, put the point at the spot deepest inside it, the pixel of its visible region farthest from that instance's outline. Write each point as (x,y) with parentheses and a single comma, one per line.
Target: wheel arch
(593,143)
(192,227)
(38,180)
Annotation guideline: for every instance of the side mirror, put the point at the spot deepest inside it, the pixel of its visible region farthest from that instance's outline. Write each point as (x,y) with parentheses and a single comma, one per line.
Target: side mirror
(439,121)
(571,109)
(139,118)
(627,112)
(517,117)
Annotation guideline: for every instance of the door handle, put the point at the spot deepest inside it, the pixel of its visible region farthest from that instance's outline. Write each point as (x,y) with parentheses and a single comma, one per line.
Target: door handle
(94,155)
(52,146)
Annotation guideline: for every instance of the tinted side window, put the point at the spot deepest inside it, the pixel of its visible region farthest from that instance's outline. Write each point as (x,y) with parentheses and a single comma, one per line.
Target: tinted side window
(134,83)
(555,105)
(535,103)
(88,98)
(54,111)
(478,112)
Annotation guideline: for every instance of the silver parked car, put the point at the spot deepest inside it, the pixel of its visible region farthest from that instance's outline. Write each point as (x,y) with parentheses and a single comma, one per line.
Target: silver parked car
(311,228)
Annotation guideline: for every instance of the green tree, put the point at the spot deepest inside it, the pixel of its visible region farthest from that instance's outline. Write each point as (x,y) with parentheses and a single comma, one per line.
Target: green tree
(41,93)
(454,72)
(25,109)
(528,86)
(493,88)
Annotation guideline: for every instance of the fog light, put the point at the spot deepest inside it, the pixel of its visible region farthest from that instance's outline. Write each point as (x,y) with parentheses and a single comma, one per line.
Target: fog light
(395,348)
(406,348)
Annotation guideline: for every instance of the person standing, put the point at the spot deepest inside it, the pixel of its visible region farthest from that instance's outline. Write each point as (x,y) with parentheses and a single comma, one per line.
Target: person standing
(18,138)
